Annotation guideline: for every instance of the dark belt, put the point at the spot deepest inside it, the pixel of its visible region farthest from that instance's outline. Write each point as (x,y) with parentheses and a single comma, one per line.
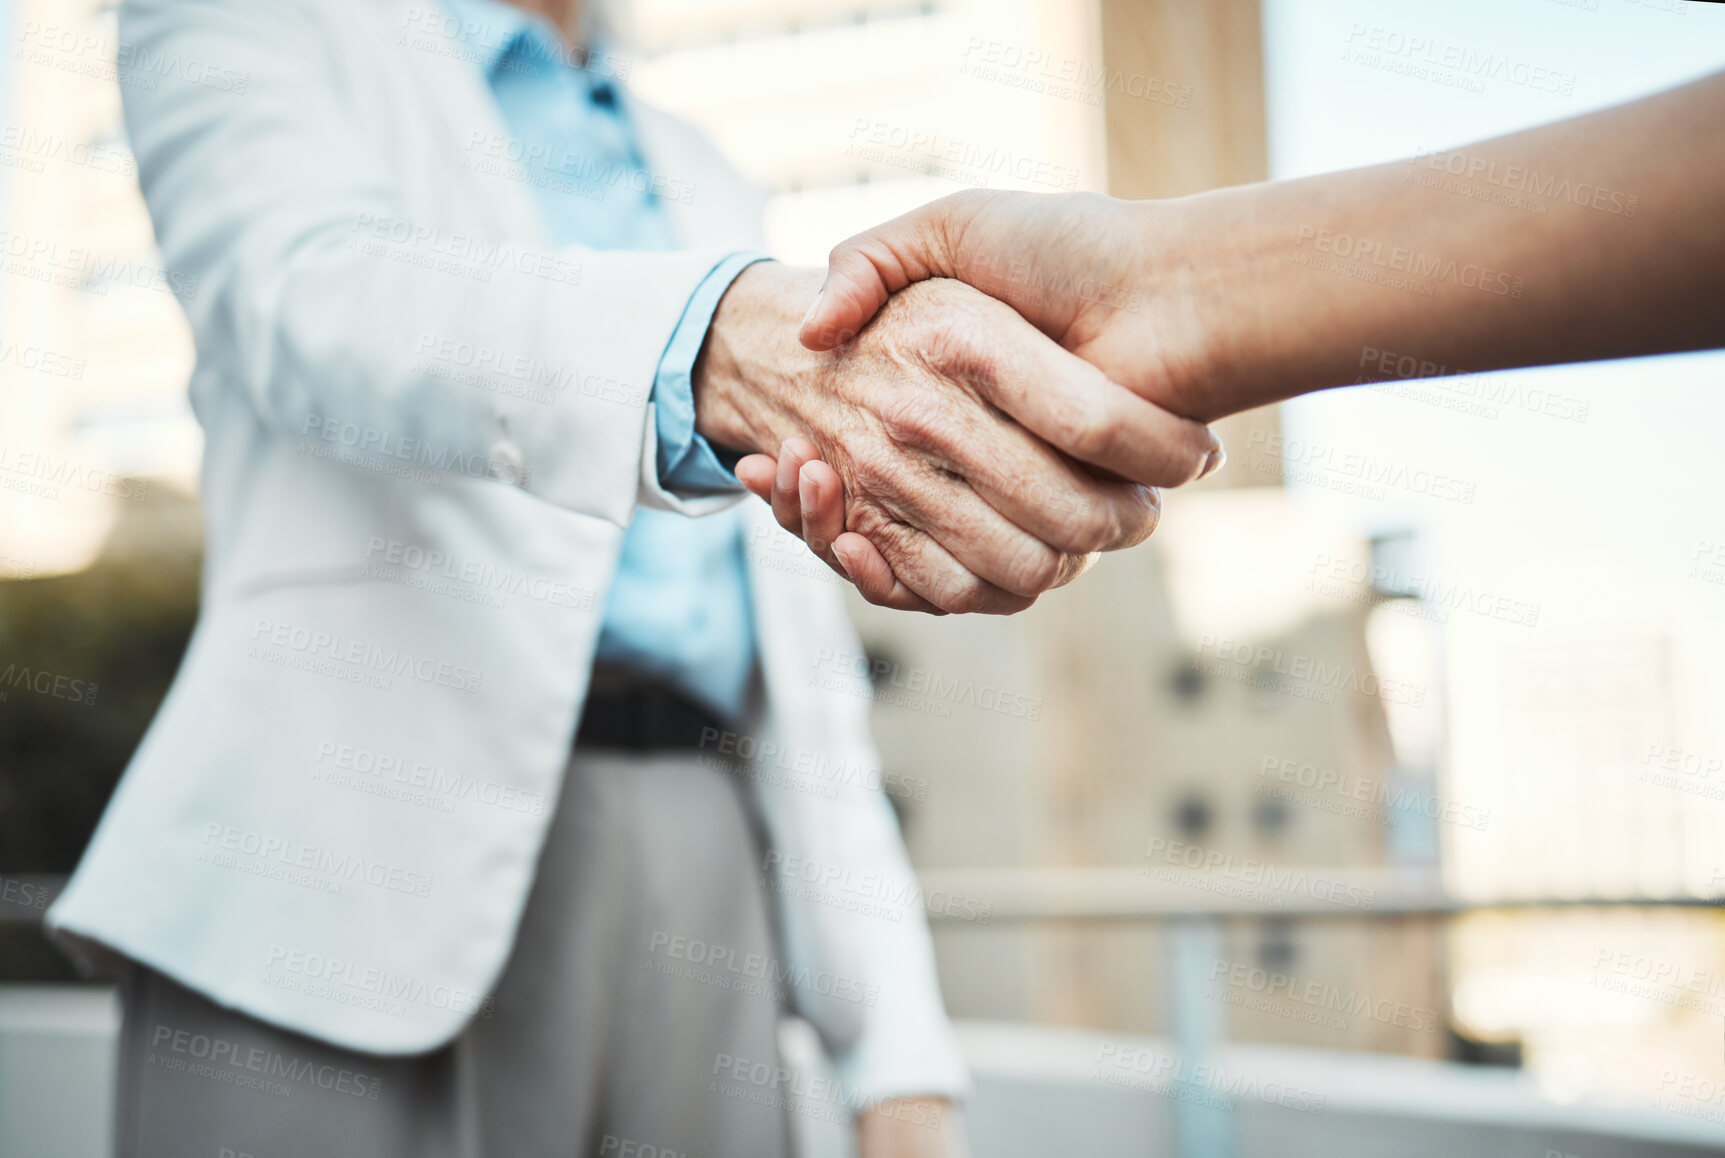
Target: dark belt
(633,716)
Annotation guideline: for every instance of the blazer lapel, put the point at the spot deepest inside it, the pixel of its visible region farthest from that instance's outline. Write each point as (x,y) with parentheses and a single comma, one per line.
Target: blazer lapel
(460,106)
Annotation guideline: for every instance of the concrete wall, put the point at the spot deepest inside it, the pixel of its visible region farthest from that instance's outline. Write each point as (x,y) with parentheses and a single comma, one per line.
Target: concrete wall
(1039,1092)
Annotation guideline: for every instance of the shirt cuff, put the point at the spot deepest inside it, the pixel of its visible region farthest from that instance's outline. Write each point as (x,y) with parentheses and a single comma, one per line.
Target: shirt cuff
(687,462)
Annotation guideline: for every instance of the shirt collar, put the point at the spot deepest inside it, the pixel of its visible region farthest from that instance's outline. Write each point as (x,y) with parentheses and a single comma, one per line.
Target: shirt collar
(494,32)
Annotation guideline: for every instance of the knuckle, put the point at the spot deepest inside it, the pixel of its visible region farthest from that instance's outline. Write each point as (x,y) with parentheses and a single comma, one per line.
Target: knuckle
(955,351)
(1186,453)
(1086,429)
(1094,525)
(919,419)
(1072,566)
(872,471)
(1086,520)
(873,523)
(1141,515)
(1032,569)
(964,595)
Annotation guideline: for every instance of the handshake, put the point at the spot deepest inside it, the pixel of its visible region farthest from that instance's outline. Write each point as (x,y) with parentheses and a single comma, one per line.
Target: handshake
(986,394)
(989,389)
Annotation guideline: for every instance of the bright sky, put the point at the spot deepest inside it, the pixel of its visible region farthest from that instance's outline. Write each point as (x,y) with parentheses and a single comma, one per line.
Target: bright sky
(1598,522)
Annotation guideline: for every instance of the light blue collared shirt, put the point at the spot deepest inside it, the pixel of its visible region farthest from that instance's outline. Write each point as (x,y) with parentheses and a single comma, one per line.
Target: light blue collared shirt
(679,608)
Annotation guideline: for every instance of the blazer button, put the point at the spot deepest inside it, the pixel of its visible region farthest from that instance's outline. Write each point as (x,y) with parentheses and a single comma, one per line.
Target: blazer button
(507,463)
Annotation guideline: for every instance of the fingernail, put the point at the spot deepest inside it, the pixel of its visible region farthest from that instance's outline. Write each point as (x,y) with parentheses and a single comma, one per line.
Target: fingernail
(1213,463)
(785,475)
(814,306)
(838,553)
(806,490)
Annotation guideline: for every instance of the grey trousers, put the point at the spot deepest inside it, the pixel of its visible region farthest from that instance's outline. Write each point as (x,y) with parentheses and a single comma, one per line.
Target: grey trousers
(605,1028)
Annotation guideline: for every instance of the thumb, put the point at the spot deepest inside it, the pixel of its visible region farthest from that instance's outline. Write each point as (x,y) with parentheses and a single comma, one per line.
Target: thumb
(875,264)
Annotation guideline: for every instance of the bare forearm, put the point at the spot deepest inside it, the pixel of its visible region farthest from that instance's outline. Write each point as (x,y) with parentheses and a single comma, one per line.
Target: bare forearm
(1616,248)
(912,1127)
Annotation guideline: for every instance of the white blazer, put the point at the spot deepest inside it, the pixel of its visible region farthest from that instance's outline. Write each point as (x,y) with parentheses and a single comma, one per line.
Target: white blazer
(426,430)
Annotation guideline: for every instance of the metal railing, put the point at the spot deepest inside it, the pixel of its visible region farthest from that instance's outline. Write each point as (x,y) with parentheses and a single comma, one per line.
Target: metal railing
(1204,1126)
(1197,915)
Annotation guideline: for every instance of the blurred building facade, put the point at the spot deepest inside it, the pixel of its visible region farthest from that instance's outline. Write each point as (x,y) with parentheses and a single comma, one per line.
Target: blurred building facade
(1114,728)
(1121,714)
(1260,683)
(94,349)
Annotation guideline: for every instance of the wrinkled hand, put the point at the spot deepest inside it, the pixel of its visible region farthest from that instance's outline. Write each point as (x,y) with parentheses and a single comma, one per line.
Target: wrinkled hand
(941,420)
(1076,266)
(808,500)
(1102,277)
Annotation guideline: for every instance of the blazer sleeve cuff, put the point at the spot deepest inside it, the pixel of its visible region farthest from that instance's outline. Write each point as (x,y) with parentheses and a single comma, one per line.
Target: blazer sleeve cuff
(905,1052)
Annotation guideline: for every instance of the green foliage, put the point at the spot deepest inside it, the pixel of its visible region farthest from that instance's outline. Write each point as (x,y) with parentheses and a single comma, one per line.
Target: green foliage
(121,625)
